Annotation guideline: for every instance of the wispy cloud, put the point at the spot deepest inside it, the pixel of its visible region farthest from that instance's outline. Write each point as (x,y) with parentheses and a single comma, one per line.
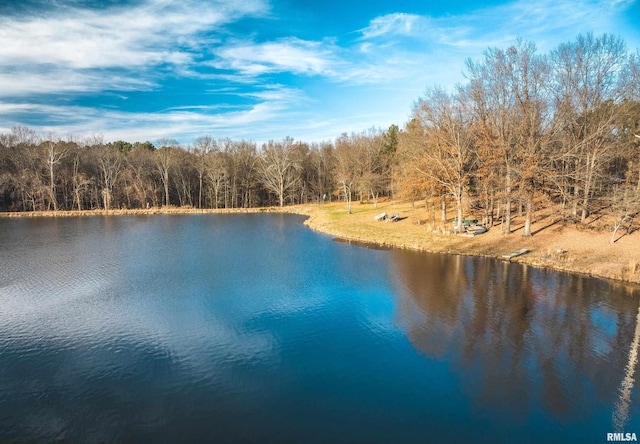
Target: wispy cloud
(306,58)
(154,32)
(432,50)
(278,93)
(197,66)
(392,24)
(540,20)
(285,55)
(80,40)
(30,81)
(271,108)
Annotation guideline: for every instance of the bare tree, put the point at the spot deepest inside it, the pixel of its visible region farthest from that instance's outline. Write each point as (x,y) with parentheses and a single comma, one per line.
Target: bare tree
(55,151)
(491,87)
(531,111)
(279,167)
(301,191)
(242,166)
(372,164)
(141,167)
(80,181)
(164,159)
(216,165)
(23,136)
(184,168)
(625,206)
(511,104)
(321,168)
(201,147)
(110,164)
(25,157)
(413,183)
(346,166)
(586,83)
(449,144)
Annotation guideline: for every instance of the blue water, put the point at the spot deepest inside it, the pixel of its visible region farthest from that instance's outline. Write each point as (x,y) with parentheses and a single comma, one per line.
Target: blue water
(253,328)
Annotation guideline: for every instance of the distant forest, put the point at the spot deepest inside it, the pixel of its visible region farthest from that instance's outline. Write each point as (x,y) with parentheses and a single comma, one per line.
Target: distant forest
(525,130)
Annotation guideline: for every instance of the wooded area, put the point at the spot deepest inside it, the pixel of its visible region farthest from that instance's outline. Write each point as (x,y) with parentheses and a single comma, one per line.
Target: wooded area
(524,130)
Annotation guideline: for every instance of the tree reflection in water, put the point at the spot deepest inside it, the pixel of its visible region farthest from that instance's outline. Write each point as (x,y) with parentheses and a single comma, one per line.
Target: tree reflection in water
(522,339)
(621,413)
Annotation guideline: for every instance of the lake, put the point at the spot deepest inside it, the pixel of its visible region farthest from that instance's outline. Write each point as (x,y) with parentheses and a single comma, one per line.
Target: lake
(254,328)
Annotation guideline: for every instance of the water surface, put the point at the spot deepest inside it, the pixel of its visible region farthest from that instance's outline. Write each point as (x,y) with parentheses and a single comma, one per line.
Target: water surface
(245,328)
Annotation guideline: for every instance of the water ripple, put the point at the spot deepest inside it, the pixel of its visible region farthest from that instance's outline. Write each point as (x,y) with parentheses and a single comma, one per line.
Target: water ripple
(253,329)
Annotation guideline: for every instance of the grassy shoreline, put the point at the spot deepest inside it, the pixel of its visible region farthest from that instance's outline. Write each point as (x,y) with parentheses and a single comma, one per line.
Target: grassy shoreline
(555,245)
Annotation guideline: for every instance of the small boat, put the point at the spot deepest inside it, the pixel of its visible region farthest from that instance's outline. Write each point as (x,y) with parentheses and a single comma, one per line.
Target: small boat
(474,230)
(481,230)
(515,253)
(394,218)
(381,216)
(465,223)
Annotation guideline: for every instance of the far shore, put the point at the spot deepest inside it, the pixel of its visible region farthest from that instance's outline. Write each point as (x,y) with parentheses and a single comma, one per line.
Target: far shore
(554,245)
(145,211)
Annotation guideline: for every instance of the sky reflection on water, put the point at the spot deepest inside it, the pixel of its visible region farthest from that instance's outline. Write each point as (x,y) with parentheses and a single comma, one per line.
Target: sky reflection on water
(252,327)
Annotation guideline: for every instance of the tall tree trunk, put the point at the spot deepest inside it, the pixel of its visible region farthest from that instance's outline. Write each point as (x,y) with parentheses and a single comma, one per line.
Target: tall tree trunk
(459,208)
(576,197)
(106,198)
(76,183)
(491,209)
(347,197)
(281,193)
(507,206)
(128,195)
(528,215)
(587,187)
(520,208)
(165,181)
(77,195)
(52,187)
(200,190)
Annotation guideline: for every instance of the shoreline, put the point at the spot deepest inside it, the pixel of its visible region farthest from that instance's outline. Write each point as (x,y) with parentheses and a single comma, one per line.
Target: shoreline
(582,252)
(141,212)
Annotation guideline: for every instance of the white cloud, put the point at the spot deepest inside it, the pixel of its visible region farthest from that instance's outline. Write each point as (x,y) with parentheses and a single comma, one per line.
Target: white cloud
(43,80)
(154,32)
(279,93)
(545,20)
(340,86)
(272,108)
(391,24)
(360,65)
(419,51)
(286,55)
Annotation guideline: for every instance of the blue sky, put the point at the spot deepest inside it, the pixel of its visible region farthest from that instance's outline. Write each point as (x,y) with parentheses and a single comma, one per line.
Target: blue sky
(258,69)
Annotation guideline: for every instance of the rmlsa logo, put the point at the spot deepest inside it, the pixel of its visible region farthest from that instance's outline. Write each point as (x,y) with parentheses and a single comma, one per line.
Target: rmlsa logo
(621,437)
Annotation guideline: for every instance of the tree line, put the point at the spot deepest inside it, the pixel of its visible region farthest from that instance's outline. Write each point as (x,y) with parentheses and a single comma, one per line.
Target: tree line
(53,174)
(531,129)
(524,131)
